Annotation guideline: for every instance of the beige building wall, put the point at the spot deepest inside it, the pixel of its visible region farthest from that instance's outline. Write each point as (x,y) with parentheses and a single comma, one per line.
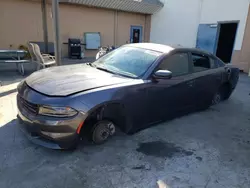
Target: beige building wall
(241,58)
(125,20)
(21,21)
(147,28)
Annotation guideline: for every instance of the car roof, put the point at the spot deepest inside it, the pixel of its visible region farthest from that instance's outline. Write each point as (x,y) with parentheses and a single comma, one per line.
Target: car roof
(152,46)
(165,48)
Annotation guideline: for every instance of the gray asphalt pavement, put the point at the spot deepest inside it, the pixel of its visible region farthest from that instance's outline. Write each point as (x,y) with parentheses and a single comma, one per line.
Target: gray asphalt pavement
(209,149)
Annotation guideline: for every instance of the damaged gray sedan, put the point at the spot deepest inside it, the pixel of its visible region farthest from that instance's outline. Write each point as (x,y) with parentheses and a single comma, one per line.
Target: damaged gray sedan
(130,88)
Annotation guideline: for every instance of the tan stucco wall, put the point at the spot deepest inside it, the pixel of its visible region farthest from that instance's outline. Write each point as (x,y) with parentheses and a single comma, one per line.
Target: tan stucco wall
(125,20)
(75,20)
(21,21)
(238,60)
(241,58)
(147,28)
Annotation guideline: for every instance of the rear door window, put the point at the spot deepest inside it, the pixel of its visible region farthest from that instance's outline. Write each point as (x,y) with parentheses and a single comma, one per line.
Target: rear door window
(200,62)
(218,62)
(213,63)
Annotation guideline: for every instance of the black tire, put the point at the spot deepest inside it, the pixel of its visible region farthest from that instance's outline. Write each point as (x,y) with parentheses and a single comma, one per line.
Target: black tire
(217,98)
(227,91)
(222,94)
(102,131)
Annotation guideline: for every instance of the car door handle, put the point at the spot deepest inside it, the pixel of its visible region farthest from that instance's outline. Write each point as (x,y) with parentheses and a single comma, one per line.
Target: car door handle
(191,83)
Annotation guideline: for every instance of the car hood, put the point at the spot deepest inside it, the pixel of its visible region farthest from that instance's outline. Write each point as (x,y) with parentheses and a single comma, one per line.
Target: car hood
(71,79)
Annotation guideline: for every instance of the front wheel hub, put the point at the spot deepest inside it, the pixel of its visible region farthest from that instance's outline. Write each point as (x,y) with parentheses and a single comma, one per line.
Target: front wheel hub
(111,128)
(102,131)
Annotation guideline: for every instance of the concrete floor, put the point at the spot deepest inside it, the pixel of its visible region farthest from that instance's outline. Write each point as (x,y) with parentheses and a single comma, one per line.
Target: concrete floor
(207,149)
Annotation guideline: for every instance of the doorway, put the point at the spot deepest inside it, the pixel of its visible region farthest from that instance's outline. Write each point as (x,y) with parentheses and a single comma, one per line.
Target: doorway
(225,40)
(135,34)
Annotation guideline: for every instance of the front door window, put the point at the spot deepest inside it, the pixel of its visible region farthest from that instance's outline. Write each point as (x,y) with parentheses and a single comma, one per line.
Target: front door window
(177,63)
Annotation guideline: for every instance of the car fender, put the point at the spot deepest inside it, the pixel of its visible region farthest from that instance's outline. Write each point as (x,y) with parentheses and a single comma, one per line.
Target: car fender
(114,111)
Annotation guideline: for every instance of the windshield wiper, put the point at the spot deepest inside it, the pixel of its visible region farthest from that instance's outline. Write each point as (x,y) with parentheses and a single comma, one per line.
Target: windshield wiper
(124,73)
(90,64)
(100,68)
(106,70)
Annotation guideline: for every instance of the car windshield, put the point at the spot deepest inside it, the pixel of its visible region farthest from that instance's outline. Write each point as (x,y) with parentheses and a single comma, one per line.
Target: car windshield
(127,61)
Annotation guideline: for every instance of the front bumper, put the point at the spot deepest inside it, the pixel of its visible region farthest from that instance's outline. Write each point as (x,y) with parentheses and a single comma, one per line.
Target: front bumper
(51,132)
(50,136)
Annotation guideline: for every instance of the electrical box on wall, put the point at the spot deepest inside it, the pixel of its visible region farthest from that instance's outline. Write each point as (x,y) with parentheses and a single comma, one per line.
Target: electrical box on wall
(92,40)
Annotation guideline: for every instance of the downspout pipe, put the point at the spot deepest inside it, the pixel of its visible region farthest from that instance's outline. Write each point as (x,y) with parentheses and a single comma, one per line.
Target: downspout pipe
(45,26)
(56,28)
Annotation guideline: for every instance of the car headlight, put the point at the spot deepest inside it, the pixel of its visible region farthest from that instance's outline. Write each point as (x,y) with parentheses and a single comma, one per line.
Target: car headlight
(57,111)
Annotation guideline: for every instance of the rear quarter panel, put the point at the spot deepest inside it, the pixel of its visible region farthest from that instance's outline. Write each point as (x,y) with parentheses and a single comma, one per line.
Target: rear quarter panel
(234,76)
(230,75)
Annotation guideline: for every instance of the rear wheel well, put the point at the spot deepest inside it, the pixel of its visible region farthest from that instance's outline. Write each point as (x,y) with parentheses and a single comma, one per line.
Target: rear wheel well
(113,112)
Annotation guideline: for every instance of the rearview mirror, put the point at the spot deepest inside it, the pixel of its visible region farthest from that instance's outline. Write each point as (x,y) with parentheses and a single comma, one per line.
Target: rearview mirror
(163,74)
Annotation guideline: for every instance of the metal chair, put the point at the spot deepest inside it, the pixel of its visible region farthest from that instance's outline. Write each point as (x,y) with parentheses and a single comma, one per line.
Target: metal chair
(32,54)
(43,60)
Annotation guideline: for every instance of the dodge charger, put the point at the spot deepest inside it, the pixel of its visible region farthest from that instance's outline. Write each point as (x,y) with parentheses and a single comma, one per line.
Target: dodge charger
(130,89)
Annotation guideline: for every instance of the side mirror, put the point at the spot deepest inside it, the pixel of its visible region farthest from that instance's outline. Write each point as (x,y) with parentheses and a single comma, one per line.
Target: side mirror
(163,74)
